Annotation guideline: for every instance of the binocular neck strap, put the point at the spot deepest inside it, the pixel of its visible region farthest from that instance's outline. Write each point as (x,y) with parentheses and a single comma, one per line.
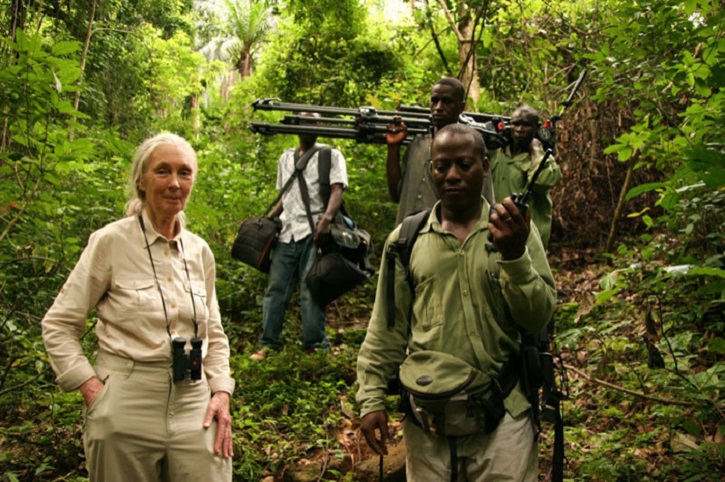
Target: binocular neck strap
(158,285)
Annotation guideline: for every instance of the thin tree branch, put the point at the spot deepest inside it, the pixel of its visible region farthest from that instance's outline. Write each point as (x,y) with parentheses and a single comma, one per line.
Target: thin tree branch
(8,366)
(28,382)
(434,34)
(451,20)
(84,55)
(597,381)
(622,200)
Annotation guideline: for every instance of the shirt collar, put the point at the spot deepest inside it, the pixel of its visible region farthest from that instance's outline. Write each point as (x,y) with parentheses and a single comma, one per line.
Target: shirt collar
(152,235)
(434,223)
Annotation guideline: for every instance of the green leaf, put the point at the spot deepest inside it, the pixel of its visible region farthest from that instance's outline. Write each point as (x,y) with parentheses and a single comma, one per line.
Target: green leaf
(716,346)
(22,40)
(638,214)
(58,83)
(66,47)
(643,188)
(606,295)
(690,77)
(609,281)
(691,428)
(624,154)
(704,271)
(65,107)
(614,148)
(669,201)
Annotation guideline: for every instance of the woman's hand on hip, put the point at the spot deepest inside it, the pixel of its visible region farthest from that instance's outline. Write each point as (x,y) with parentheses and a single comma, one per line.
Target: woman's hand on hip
(219,409)
(90,389)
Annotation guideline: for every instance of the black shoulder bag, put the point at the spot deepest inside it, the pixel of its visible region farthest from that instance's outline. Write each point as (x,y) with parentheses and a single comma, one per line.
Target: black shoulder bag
(343,262)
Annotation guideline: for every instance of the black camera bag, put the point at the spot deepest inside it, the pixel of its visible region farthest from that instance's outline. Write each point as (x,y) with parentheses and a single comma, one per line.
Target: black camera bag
(254,242)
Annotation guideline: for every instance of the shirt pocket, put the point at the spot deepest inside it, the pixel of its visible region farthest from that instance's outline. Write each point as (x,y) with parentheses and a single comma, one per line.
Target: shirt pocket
(427,310)
(141,294)
(494,296)
(197,292)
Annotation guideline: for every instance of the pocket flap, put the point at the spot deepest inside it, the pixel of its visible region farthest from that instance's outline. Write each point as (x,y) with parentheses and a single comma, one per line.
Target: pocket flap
(436,375)
(198,288)
(134,284)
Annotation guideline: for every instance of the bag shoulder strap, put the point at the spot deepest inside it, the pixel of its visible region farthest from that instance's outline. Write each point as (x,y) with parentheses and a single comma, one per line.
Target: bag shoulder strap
(300,165)
(402,248)
(324,163)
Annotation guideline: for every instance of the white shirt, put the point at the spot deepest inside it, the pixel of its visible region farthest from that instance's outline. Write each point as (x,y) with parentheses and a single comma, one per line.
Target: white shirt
(295,225)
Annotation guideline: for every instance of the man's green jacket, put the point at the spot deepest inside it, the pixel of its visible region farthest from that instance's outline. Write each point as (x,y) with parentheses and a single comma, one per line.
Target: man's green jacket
(468,303)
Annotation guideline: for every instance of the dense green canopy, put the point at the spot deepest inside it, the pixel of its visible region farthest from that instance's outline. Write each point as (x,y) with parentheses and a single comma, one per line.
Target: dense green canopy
(637,240)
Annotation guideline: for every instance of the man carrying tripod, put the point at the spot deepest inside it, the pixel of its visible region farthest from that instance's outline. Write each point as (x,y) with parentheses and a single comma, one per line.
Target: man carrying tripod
(409,181)
(304,229)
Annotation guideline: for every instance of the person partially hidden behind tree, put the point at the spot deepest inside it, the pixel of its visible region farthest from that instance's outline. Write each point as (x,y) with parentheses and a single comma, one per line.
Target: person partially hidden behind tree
(458,320)
(512,166)
(409,181)
(296,250)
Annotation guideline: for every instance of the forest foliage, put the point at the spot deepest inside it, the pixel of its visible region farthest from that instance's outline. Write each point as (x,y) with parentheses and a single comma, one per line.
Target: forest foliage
(637,241)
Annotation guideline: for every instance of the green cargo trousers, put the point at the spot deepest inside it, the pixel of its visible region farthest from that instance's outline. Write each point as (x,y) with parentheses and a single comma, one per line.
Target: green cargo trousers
(144,427)
(509,453)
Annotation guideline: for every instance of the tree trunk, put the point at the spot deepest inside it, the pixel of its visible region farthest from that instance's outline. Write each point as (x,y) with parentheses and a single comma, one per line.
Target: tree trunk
(17,22)
(244,64)
(467,59)
(3,139)
(463,24)
(195,116)
(84,55)
(247,71)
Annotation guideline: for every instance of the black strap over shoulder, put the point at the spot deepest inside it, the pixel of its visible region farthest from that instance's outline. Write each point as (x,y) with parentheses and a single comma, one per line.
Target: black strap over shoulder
(300,166)
(324,163)
(402,249)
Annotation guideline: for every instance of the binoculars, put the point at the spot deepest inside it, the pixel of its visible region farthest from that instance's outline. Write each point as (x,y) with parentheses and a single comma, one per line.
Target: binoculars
(186,364)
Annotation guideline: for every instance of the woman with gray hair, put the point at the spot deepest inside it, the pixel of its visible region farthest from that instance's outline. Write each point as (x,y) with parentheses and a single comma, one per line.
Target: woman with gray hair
(157,397)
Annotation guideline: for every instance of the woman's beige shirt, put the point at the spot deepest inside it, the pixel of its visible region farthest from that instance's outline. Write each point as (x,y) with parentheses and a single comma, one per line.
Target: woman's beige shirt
(114,275)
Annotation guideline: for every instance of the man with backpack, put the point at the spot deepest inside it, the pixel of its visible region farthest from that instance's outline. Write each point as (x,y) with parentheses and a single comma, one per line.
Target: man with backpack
(303,231)
(449,327)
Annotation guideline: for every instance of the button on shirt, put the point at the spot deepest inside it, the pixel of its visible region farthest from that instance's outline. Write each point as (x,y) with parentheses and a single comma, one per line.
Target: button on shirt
(114,275)
(295,225)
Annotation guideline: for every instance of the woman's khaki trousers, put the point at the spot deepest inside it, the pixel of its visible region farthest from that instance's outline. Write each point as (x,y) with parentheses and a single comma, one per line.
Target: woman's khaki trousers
(144,427)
